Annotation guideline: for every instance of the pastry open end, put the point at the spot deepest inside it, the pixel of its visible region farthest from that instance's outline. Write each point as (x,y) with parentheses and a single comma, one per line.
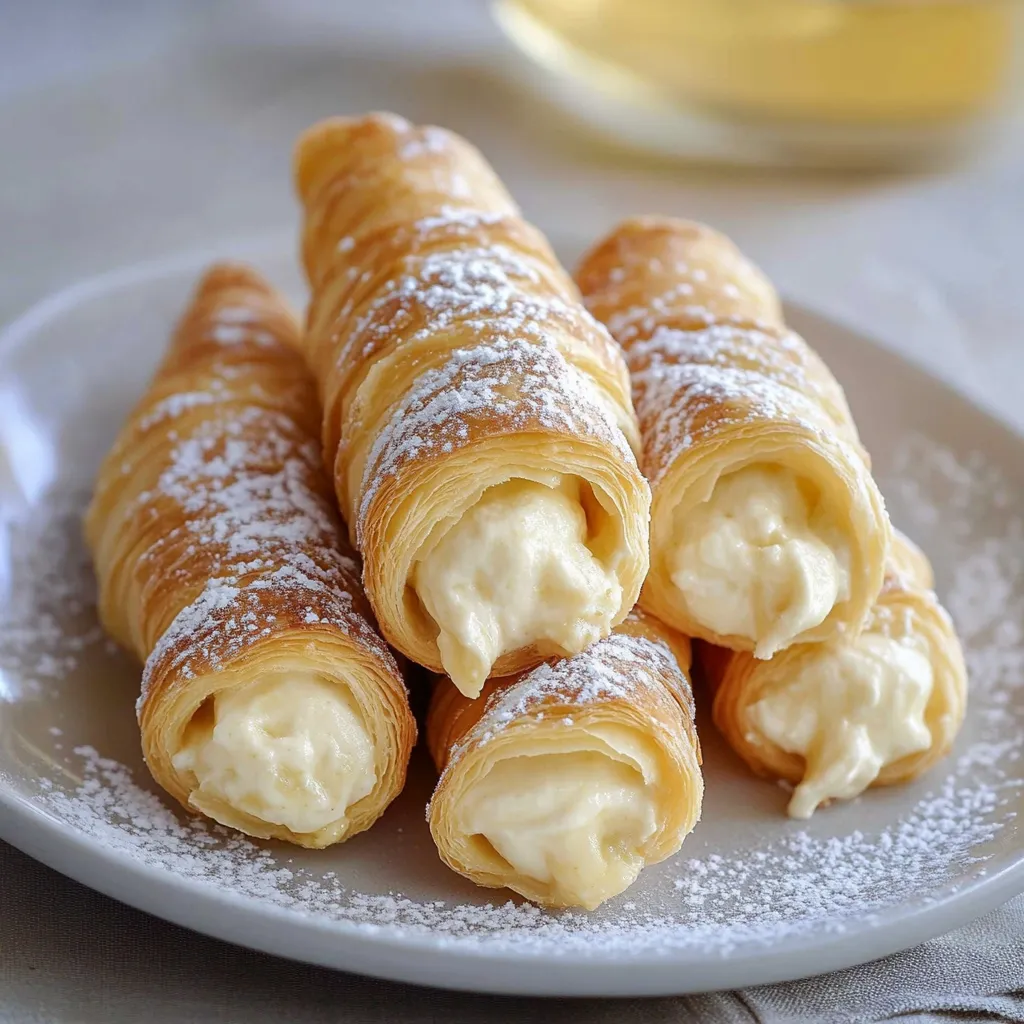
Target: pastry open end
(868,710)
(564,782)
(478,420)
(766,526)
(269,703)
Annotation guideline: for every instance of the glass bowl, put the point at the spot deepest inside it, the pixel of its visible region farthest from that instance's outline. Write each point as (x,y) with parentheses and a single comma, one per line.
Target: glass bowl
(841,82)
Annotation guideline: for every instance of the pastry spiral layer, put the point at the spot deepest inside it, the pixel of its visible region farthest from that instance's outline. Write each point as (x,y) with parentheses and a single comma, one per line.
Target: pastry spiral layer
(872,710)
(269,701)
(766,526)
(564,782)
(478,420)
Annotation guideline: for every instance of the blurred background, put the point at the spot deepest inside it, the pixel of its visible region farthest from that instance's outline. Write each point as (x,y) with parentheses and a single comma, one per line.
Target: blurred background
(869,153)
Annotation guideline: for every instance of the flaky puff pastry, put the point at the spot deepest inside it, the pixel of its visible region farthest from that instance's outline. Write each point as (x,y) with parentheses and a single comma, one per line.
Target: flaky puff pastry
(564,782)
(835,718)
(269,701)
(454,359)
(766,526)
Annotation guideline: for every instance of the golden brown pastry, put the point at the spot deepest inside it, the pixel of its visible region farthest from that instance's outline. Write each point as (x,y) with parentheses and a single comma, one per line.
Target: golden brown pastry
(766,526)
(476,416)
(871,710)
(562,783)
(269,701)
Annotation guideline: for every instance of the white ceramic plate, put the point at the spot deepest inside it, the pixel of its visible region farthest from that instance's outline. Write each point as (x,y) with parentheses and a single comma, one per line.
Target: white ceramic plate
(751,898)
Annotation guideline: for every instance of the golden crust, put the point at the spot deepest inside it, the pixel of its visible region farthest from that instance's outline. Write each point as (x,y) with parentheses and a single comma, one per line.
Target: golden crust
(217,550)
(452,353)
(905,607)
(649,694)
(719,382)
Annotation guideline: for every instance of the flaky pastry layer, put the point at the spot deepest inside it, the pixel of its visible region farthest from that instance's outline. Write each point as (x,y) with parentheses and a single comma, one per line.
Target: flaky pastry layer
(907,626)
(563,782)
(721,388)
(221,564)
(453,356)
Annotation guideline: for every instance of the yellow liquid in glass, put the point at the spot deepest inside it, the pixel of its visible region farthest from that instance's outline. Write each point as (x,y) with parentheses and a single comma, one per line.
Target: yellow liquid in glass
(832,61)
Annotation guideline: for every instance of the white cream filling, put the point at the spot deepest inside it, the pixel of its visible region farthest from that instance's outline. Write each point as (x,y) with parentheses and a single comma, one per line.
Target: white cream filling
(574,822)
(756,560)
(850,712)
(515,570)
(291,750)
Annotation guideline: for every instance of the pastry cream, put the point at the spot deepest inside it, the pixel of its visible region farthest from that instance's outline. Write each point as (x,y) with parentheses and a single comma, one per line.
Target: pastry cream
(757,559)
(850,712)
(291,750)
(515,570)
(574,822)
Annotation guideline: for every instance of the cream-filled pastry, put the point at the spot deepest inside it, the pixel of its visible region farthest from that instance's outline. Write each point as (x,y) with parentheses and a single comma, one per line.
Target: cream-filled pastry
(467,395)
(269,701)
(870,709)
(759,560)
(562,783)
(766,526)
(849,714)
(291,751)
(515,570)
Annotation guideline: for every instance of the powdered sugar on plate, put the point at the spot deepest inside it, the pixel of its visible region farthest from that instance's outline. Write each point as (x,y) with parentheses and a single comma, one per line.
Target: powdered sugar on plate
(845,869)
(47,605)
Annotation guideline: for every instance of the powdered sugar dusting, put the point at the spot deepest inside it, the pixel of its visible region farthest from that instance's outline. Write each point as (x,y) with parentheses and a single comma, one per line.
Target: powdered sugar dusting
(607,670)
(459,217)
(776,881)
(611,669)
(487,285)
(678,403)
(696,370)
(426,140)
(488,288)
(241,482)
(507,387)
(782,356)
(47,602)
(241,508)
(689,384)
(181,402)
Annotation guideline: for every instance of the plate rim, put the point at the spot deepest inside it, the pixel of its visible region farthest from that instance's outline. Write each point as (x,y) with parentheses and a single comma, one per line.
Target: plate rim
(380,950)
(422,959)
